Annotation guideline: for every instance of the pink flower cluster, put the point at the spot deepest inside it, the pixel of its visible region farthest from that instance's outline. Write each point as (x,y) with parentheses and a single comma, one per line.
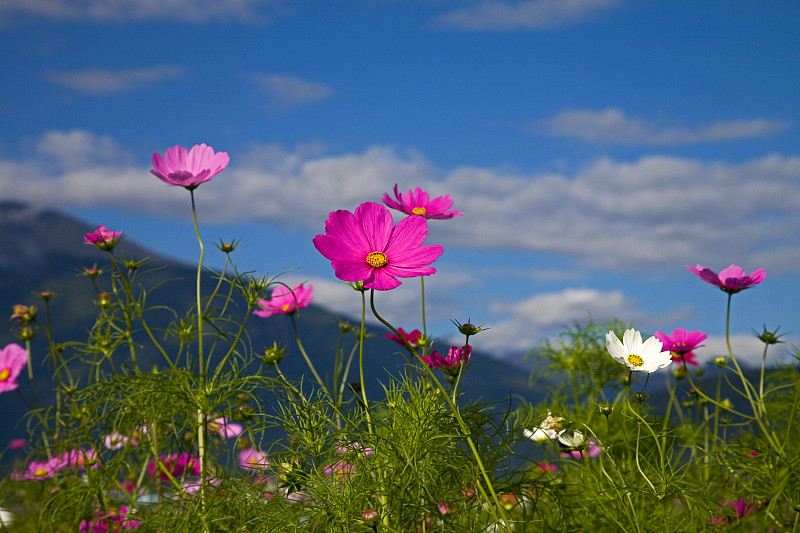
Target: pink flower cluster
(41,470)
(412,338)
(731,511)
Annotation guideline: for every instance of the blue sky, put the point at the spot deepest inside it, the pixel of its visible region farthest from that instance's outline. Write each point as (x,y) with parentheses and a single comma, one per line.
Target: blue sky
(596,146)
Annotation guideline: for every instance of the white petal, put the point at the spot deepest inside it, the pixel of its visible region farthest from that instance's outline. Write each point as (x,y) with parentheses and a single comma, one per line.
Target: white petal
(615,347)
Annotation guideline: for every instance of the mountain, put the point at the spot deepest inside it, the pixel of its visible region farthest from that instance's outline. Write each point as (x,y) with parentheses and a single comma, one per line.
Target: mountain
(42,249)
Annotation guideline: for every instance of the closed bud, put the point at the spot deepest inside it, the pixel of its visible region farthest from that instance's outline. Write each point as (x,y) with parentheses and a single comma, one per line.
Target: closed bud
(640,397)
(370,517)
(47,295)
(721,361)
(227,247)
(26,333)
(104,300)
(273,355)
(679,373)
(605,410)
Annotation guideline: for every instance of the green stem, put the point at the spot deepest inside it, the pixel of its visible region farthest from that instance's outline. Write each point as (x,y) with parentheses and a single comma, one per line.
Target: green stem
(454,409)
(308,359)
(199,273)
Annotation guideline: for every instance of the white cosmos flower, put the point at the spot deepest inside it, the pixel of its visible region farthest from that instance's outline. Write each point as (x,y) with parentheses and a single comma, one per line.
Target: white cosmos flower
(640,356)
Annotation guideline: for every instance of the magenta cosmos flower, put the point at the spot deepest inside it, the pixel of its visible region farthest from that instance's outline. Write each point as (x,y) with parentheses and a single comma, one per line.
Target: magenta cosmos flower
(731,511)
(103,238)
(13,359)
(456,356)
(731,280)
(412,338)
(367,246)
(418,202)
(189,168)
(681,344)
(286,301)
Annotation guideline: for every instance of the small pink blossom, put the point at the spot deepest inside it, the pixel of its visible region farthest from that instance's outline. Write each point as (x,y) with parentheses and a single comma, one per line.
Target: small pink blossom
(546,467)
(177,464)
(116,440)
(285,301)
(252,459)
(355,447)
(682,344)
(13,358)
(188,168)
(79,459)
(17,444)
(225,427)
(366,246)
(456,357)
(591,450)
(731,511)
(106,522)
(103,238)
(340,469)
(418,202)
(412,338)
(39,470)
(731,280)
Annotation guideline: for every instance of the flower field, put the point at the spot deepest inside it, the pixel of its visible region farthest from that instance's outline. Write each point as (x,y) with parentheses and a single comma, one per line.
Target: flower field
(217,438)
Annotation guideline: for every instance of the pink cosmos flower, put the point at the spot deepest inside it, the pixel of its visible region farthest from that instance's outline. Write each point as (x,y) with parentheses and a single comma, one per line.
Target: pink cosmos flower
(417,202)
(285,301)
(412,338)
(252,459)
(592,449)
(39,470)
(189,168)
(732,510)
(13,359)
(225,428)
(681,344)
(79,459)
(116,440)
(103,238)
(176,464)
(340,469)
(17,444)
(367,246)
(731,280)
(456,356)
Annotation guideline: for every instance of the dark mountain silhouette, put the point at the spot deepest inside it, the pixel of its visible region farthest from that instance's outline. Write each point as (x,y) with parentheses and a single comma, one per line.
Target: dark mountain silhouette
(41,249)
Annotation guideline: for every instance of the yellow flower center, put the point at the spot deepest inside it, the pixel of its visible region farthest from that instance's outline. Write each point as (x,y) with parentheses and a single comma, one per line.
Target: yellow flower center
(377,259)
(39,472)
(418,211)
(4,374)
(285,307)
(635,360)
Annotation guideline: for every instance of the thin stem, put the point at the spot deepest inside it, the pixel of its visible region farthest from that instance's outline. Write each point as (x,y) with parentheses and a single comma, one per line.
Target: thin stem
(308,359)
(199,273)
(454,409)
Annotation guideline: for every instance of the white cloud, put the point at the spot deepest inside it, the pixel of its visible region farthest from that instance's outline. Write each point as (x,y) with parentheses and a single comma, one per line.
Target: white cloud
(655,212)
(105,81)
(287,92)
(525,323)
(612,125)
(531,14)
(195,11)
